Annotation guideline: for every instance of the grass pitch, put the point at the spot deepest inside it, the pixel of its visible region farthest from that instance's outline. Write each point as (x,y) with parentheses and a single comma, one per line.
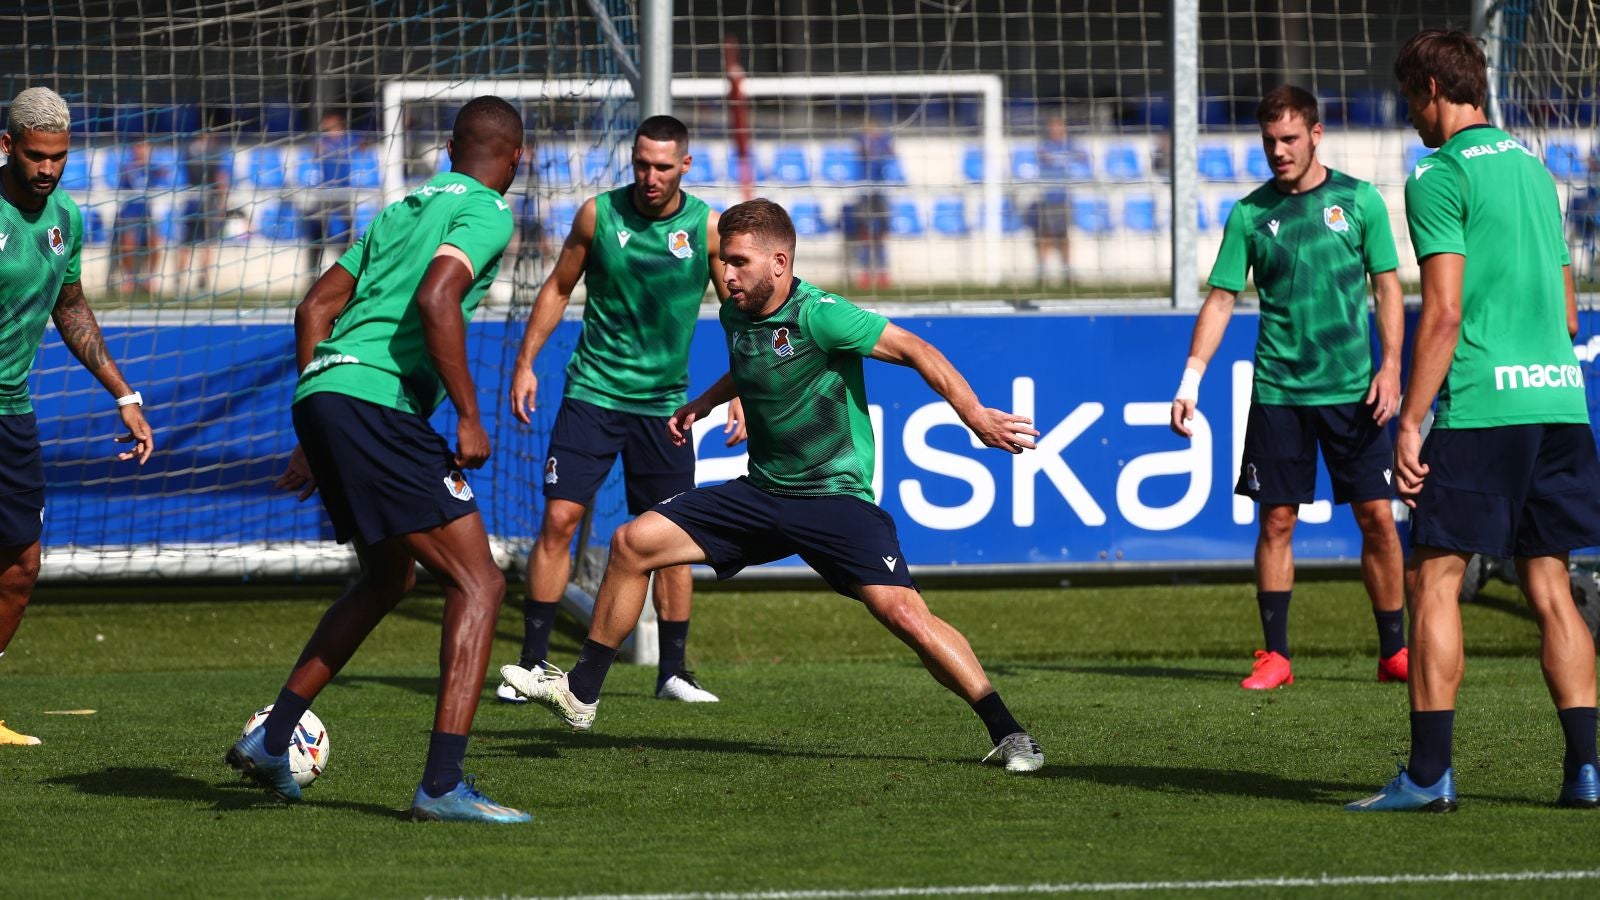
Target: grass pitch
(833,762)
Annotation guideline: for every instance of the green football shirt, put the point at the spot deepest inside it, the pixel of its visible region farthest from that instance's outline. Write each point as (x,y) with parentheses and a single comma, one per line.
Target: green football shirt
(1485,196)
(798,373)
(645,279)
(38,254)
(377,351)
(1311,254)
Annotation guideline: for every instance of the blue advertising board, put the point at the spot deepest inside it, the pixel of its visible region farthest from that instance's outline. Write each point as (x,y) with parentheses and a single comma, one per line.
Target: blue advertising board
(1109,483)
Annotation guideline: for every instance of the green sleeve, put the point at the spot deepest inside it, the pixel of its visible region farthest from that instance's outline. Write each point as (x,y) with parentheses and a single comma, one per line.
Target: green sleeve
(1377,238)
(1434,209)
(75,248)
(839,326)
(481,229)
(353,258)
(1232,268)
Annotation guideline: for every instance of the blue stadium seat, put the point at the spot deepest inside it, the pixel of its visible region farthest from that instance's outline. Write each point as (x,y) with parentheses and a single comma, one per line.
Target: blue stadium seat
(266,167)
(789,165)
(94,227)
(972,164)
(1202,221)
(1139,214)
(1256,164)
(1563,160)
(1414,155)
(75,174)
(703,170)
(278,221)
(1091,214)
(366,211)
(1216,163)
(1122,163)
(949,217)
(1010,217)
(170,219)
(557,218)
(441,160)
(841,164)
(364,169)
(1024,164)
(601,167)
(1224,207)
(808,219)
(905,219)
(552,165)
(1080,165)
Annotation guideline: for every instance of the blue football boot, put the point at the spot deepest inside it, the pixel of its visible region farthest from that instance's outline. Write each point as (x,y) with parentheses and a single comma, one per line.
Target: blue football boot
(1582,792)
(250,757)
(463,803)
(1403,795)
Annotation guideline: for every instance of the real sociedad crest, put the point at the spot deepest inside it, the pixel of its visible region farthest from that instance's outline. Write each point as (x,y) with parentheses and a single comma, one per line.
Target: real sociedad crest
(58,244)
(1334,217)
(678,243)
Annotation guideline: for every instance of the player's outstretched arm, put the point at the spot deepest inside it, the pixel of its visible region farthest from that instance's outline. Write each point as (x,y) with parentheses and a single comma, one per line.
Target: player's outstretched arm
(1438,331)
(1209,326)
(681,425)
(554,295)
(1384,394)
(995,428)
(81,333)
(314,315)
(444,331)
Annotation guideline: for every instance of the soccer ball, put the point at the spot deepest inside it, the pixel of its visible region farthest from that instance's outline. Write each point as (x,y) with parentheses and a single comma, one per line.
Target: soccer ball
(308,745)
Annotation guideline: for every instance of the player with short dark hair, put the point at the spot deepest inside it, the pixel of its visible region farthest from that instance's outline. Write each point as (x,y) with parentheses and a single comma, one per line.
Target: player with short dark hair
(1313,237)
(646,252)
(41,237)
(795,355)
(380,340)
(1509,467)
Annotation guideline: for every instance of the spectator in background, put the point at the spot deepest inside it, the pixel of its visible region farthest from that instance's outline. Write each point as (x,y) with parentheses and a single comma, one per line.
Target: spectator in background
(329,220)
(208,160)
(868,224)
(135,239)
(1053,212)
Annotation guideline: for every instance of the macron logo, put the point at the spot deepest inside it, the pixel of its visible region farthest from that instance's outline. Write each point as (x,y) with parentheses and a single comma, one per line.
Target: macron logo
(1274,226)
(1421,170)
(1510,378)
(622,238)
(890,561)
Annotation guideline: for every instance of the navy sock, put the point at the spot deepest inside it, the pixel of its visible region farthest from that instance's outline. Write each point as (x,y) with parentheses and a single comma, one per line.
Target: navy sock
(672,636)
(1432,733)
(537,619)
(996,717)
(446,753)
(285,715)
(594,660)
(1391,632)
(1578,725)
(1274,607)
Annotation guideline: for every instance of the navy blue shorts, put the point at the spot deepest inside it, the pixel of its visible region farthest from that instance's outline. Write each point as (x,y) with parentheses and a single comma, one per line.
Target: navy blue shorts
(21,481)
(585,442)
(1279,465)
(381,472)
(1515,490)
(847,540)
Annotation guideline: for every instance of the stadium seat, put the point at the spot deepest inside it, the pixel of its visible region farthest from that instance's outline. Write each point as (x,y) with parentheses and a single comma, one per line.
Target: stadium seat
(1216,163)
(1202,221)
(170,219)
(1564,161)
(789,165)
(841,164)
(1139,214)
(94,227)
(278,221)
(266,167)
(704,168)
(905,219)
(1024,164)
(602,168)
(441,160)
(552,165)
(1224,207)
(1122,163)
(1256,164)
(364,169)
(949,217)
(808,218)
(1080,165)
(75,174)
(1091,215)
(1414,155)
(1010,217)
(972,164)
(557,218)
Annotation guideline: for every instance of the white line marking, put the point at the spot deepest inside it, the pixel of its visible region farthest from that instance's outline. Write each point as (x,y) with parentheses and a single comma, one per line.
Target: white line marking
(1095,887)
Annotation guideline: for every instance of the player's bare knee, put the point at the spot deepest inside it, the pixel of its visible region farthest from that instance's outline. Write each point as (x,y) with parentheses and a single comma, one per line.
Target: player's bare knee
(629,546)
(1277,524)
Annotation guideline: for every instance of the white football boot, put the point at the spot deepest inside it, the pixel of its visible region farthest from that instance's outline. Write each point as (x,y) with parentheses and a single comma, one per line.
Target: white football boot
(1018,753)
(506,693)
(683,688)
(550,691)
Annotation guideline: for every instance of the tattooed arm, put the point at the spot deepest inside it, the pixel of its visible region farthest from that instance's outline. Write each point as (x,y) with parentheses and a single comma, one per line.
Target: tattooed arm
(81,333)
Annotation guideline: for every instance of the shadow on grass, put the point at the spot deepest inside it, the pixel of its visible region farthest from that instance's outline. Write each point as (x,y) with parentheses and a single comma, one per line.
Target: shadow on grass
(532,743)
(153,783)
(1167,779)
(1130,670)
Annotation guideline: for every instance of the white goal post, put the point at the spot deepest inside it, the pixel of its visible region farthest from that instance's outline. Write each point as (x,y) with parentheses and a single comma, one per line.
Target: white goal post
(988,87)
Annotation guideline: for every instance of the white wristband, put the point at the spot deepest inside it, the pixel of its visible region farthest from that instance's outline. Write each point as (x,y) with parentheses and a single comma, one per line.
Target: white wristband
(1189,386)
(133,399)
